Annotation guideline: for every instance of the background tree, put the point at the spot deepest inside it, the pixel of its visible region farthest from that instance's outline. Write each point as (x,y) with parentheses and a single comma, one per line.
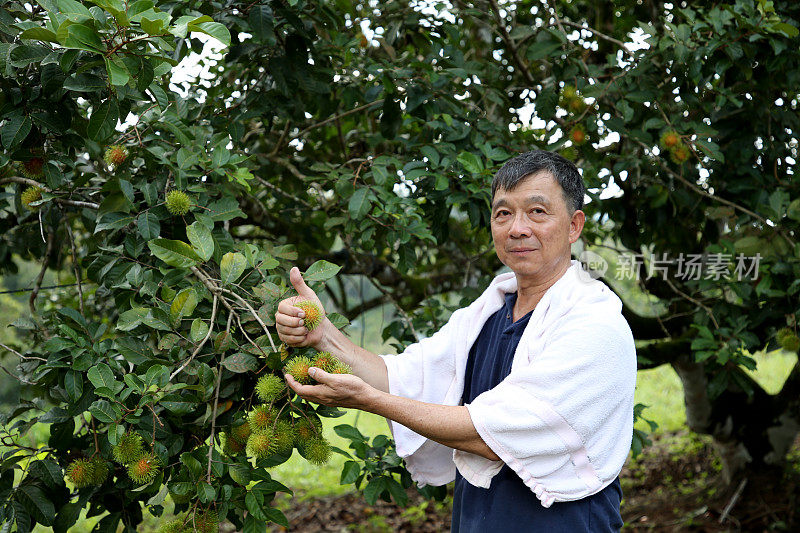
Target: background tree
(365,136)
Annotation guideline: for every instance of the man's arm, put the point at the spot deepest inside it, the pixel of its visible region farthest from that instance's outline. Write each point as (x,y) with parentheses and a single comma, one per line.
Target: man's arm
(448,425)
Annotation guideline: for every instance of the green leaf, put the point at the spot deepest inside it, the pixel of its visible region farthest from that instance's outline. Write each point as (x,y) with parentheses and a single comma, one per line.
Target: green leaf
(84,83)
(37,504)
(183,304)
(148,225)
(73,383)
(117,71)
(174,253)
(214,29)
(260,20)
(101,375)
(157,319)
(471,162)
(349,432)
(178,404)
(253,525)
(15,130)
(73,9)
(253,504)
(103,120)
(374,488)
(350,472)
(48,472)
(201,239)
(198,330)
(39,34)
(225,209)
(231,267)
(359,204)
(321,271)
(103,411)
(131,318)
(240,362)
(82,37)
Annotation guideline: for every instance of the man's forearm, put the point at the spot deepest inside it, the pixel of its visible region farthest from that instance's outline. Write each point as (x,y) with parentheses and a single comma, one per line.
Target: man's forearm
(448,425)
(365,364)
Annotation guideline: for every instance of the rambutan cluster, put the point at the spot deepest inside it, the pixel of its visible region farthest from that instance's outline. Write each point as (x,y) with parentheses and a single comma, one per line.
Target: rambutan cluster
(143,466)
(200,522)
(672,142)
(87,472)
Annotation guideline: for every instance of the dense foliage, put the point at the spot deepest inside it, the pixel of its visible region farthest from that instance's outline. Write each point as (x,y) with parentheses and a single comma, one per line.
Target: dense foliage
(359,139)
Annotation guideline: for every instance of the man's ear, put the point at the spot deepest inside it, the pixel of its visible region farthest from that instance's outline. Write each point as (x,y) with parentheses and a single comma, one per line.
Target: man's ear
(576,225)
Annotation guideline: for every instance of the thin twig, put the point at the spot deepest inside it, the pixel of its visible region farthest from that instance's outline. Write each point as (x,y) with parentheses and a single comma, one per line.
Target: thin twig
(21,380)
(732,502)
(205,339)
(255,315)
(601,35)
(336,117)
(214,410)
(24,357)
(34,183)
(707,309)
(75,266)
(38,283)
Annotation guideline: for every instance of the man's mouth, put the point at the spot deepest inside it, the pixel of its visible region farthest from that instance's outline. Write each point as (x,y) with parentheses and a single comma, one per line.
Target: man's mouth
(521,250)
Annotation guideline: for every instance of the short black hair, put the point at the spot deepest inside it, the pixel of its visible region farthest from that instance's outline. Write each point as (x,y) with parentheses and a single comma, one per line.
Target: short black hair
(564,171)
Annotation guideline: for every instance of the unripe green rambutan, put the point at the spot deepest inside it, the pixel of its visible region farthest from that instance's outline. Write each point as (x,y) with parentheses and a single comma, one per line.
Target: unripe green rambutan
(174,526)
(791,343)
(330,364)
(145,469)
(177,203)
(116,154)
(316,451)
(679,154)
(231,446)
(284,436)
(298,367)
(783,333)
(80,473)
(128,449)
(569,92)
(31,194)
(100,470)
(241,433)
(205,522)
(32,168)
(269,388)
(314,314)
(261,444)
(261,419)
(305,430)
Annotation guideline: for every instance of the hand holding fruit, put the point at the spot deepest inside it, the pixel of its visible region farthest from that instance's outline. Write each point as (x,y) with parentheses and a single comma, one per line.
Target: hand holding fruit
(299,318)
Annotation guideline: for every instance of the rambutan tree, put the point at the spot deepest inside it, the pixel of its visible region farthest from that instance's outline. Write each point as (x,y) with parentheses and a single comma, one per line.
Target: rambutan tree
(359,139)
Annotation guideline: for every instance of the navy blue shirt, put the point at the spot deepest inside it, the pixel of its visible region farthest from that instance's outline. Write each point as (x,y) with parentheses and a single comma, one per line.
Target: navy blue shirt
(508,503)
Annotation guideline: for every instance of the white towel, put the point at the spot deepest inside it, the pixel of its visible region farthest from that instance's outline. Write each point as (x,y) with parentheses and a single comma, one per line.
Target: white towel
(562,419)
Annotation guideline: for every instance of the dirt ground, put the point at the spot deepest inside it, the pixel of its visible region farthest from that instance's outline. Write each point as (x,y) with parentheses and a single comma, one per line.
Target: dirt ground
(675,485)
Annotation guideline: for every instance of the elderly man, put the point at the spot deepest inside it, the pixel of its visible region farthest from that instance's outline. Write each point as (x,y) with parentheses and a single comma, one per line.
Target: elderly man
(525,397)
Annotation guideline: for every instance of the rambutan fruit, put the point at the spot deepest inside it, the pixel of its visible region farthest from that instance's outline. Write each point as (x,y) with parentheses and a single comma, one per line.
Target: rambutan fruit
(115,155)
(31,194)
(791,343)
(231,446)
(679,154)
(314,314)
(261,444)
(284,436)
(99,470)
(32,168)
(577,135)
(206,522)
(177,202)
(144,469)
(80,472)
(298,367)
(306,430)
(261,419)
(316,451)
(330,363)
(569,92)
(669,139)
(241,433)
(128,449)
(783,333)
(174,526)
(269,388)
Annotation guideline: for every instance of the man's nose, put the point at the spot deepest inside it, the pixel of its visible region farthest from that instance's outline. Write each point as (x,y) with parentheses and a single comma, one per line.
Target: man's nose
(520,227)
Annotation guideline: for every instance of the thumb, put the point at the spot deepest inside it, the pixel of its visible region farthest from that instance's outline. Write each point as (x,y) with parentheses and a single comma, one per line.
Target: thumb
(296,279)
(318,374)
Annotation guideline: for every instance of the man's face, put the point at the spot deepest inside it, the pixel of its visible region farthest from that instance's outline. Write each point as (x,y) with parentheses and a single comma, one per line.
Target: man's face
(532,228)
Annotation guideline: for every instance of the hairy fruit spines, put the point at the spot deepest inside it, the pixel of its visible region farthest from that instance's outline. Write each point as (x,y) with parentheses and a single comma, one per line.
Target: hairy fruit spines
(79,472)
(231,446)
(679,154)
(99,470)
(330,363)
(177,203)
(305,431)
(145,469)
(577,135)
(173,526)
(284,436)
(790,342)
(260,419)
(29,195)
(269,387)
(241,433)
(115,155)
(314,314)
(261,444)
(298,369)
(129,448)
(669,139)
(316,451)
(206,522)
(32,168)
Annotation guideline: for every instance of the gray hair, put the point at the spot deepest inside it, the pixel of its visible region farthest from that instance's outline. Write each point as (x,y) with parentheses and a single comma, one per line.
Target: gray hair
(564,171)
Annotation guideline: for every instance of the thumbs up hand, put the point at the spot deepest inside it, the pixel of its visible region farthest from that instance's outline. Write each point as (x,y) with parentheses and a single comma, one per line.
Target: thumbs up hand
(290,320)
